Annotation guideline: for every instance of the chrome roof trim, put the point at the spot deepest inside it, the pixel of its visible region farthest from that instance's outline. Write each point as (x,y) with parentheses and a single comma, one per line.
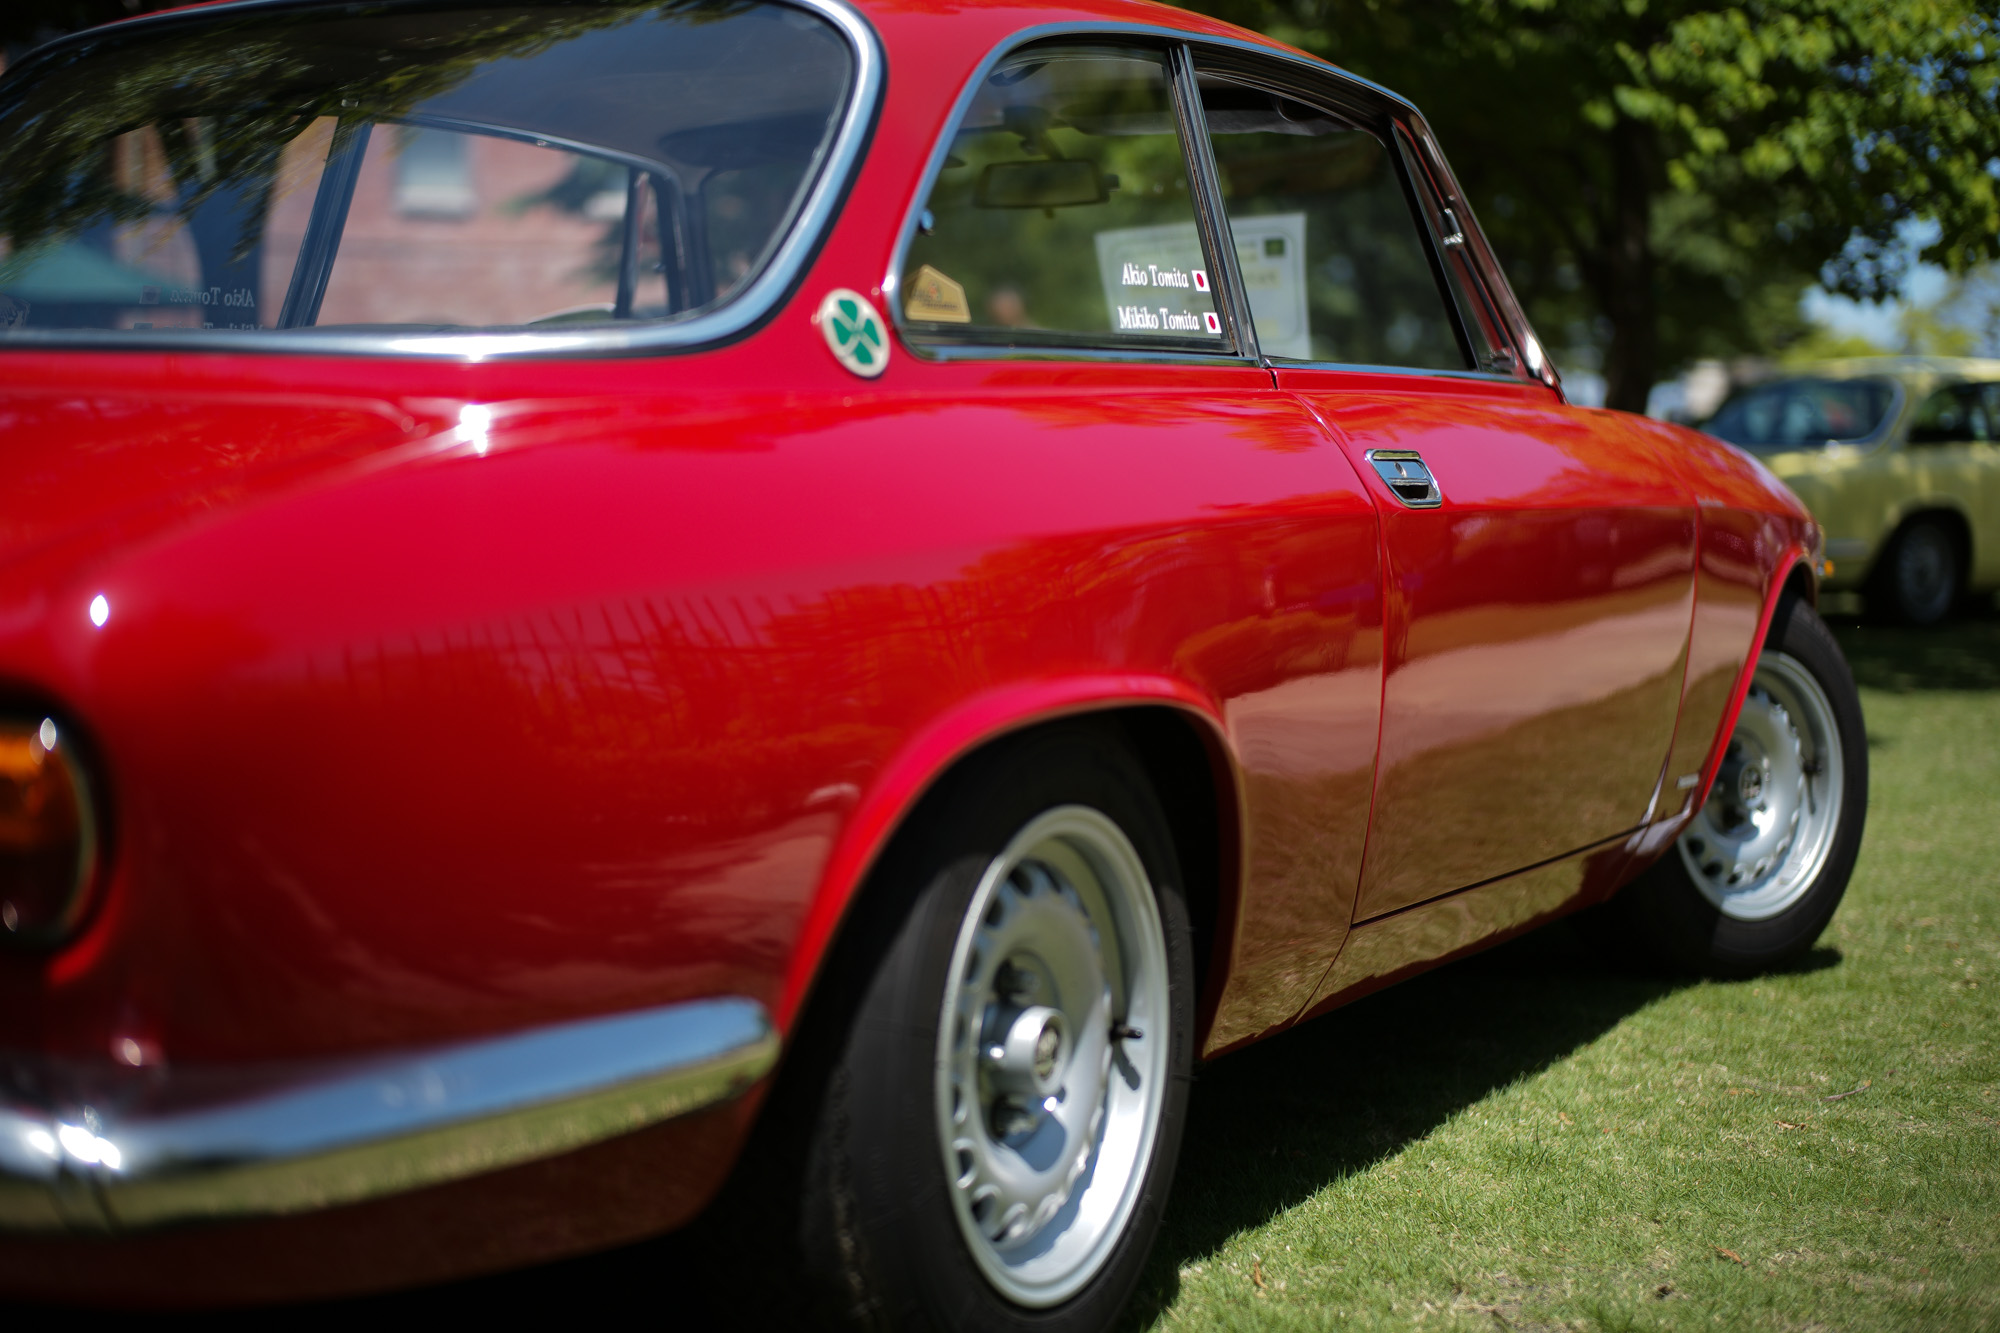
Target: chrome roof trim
(745,311)
(1363,368)
(114,1149)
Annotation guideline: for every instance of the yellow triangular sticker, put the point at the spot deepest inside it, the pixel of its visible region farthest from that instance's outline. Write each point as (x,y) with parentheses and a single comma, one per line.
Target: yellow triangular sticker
(936,298)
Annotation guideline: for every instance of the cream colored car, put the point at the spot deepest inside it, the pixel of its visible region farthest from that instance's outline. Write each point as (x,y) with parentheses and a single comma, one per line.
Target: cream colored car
(1899,460)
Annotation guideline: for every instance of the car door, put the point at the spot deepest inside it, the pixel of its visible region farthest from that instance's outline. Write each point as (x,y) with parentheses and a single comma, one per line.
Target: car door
(1538,557)
(1058,290)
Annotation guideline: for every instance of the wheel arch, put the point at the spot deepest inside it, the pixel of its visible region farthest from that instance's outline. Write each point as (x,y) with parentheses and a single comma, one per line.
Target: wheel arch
(1796,578)
(1178,736)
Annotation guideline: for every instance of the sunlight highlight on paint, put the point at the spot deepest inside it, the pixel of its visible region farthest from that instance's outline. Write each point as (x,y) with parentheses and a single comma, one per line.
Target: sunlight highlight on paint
(88,1148)
(100,610)
(474,419)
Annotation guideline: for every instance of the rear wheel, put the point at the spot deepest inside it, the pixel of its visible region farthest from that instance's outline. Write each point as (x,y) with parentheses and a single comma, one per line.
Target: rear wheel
(1758,872)
(1919,579)
(995,1142)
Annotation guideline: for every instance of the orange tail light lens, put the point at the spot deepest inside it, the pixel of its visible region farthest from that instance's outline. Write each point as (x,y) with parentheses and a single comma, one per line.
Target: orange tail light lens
(48,834)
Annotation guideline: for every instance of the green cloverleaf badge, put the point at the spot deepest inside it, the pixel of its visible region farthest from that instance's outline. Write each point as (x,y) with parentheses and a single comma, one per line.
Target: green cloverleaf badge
(854,332)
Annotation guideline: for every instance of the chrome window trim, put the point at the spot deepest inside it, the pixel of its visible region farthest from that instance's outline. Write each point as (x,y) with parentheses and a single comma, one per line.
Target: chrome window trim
(1211,208)
(970,351)
(106,1148)
(1360,368)
(747,309)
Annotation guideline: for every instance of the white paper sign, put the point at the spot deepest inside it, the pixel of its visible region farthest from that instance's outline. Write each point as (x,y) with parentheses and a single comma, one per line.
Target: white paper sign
(1271,252)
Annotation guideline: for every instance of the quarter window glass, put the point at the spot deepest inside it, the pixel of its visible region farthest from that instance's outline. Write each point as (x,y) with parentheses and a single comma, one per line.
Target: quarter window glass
(1802,413)
(1063,212)
(1335,267)
(416,167)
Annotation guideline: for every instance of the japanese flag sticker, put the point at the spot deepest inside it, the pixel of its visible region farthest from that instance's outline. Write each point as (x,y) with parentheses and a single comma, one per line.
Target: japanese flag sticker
(1210,322)
(1201,280)
(854,333)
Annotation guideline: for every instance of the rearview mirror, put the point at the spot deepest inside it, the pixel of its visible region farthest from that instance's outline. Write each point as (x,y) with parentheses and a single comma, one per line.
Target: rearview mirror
(1042,183)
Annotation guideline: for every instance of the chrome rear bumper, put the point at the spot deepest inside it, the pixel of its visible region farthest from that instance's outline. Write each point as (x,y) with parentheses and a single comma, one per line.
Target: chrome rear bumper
(103,1149)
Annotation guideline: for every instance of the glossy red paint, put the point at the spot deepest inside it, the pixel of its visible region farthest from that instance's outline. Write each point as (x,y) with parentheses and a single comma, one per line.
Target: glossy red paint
(1536,622)
(415,732)
(1380,952)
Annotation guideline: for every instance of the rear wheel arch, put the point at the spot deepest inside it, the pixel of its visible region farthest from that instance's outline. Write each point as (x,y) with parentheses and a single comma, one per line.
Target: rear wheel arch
(1193,774)
(1191,779)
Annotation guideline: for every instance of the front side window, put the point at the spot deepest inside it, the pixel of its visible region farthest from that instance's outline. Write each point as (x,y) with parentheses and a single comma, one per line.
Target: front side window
(1961,414)
(1332,259)
(1063,213)
(1802,413)
(430,168)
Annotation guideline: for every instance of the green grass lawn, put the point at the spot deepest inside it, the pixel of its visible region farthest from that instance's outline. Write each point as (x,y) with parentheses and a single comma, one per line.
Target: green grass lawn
(1530,1139)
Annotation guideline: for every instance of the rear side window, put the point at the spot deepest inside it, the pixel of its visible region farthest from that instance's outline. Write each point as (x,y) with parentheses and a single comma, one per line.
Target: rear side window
(413,169)
(1331,256)
(1063,213)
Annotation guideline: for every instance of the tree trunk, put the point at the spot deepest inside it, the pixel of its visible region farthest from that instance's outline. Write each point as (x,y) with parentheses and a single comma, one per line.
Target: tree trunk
(1626,293)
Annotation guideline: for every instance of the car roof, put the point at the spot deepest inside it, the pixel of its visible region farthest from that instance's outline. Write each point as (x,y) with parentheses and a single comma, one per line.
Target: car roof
(1026,13)
(1910,369)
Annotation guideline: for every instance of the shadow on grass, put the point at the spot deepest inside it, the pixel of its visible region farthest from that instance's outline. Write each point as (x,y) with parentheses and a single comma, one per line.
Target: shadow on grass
(1961,654)
(1275,1123)
(1268,1127)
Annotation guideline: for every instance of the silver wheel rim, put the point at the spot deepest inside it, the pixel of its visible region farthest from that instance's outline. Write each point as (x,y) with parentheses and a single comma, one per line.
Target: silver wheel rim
(1761,840)
(1924,570)
(1052,1054)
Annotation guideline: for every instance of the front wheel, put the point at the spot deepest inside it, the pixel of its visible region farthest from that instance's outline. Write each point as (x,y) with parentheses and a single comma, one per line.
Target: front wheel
(1758,872)
(994,1146)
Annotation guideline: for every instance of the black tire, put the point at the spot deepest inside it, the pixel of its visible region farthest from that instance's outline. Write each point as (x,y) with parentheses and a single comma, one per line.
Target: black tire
(1921,575)
(1665,917)
(875,1235)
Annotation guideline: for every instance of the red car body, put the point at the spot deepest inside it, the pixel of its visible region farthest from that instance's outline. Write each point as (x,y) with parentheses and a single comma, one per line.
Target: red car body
(414,731)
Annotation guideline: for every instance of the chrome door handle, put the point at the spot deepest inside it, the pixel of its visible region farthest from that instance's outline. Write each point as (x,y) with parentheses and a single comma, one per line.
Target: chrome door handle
(1403,471)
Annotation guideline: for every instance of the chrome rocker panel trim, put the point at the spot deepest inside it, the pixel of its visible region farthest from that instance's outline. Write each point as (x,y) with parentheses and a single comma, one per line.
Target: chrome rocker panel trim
(111,1149)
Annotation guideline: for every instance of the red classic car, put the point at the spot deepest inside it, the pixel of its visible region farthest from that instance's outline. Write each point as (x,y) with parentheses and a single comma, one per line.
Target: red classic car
(619,609)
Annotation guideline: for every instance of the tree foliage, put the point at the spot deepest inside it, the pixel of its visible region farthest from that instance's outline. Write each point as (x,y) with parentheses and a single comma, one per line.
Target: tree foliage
(1663,177)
